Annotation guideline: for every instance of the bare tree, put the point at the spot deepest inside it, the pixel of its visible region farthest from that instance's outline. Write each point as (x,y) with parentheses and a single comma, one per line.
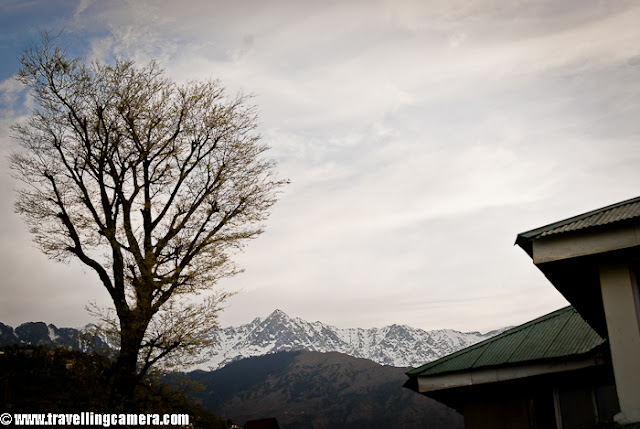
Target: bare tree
(149,183)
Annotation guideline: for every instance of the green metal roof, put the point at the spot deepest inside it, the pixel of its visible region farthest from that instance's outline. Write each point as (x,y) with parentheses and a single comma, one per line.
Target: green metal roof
(557,334)
(624,210)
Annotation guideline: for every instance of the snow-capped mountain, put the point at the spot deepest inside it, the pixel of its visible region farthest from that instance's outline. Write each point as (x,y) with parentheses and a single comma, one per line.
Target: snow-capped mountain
(395,345)
(41,334)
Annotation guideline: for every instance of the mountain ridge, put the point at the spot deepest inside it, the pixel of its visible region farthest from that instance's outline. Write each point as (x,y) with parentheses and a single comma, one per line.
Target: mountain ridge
(84,339)
(318,390)
(394,345)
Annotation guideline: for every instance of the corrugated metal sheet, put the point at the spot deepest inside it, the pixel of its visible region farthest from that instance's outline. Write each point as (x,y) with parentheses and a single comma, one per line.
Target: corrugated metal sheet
(625,210)
(615,214)
(575,337)
(558,334)
(501,351)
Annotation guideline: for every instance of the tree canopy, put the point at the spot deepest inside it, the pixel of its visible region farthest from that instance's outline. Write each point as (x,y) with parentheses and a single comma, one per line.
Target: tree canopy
(150,183)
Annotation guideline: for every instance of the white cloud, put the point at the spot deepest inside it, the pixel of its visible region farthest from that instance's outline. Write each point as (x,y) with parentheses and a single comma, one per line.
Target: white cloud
(420,138)
(10,89)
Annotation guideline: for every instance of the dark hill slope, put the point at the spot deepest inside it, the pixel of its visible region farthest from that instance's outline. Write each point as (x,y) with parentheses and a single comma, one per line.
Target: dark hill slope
(319,390)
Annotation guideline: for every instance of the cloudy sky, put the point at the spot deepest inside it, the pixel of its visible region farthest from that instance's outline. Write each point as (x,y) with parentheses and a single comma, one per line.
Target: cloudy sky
(420,138)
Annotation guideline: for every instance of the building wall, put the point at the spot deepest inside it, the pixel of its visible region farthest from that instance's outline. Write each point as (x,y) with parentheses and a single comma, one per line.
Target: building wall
(619,297)
(566,408)
(496,414)
(572,400)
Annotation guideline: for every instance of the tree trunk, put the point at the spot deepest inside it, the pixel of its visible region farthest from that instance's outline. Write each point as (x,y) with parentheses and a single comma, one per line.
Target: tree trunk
(124,376)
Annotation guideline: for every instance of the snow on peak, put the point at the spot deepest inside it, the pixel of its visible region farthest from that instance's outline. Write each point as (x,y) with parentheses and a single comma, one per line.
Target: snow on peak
(395,345)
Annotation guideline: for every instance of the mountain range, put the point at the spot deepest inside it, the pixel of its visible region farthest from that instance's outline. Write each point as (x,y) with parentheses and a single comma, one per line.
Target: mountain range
(394,345)
(304,389)
(307,374)
(41,334)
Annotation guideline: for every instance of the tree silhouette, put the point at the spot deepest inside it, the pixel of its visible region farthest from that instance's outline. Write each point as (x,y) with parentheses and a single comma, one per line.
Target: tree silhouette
(149,183)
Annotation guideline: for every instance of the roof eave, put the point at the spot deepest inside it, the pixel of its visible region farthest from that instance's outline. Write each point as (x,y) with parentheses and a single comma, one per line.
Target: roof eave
(533,234)
(437,382)
(525,244)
